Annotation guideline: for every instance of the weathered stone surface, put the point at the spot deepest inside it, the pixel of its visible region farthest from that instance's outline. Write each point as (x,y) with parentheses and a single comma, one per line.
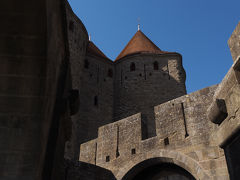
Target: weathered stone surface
(45,56)
(190,152)
(234,43)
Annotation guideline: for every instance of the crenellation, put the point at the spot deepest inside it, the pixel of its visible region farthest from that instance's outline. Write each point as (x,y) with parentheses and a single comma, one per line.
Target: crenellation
(69,112)
(171,134)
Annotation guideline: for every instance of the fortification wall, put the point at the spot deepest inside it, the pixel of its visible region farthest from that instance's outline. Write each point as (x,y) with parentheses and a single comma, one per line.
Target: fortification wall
(146,86)
(33,76)
(227,115)
(90,76)
(234,44)
(96,97)
(183,137)
(78,41)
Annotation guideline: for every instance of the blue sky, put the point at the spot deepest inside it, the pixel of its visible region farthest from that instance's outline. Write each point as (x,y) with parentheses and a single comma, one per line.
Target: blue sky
(197,29)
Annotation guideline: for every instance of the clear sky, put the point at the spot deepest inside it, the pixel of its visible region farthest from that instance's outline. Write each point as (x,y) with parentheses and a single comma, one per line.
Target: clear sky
(197,29)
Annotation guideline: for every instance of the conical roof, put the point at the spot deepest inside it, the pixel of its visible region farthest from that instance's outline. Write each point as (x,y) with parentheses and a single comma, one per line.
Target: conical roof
(139,43)
(93,49)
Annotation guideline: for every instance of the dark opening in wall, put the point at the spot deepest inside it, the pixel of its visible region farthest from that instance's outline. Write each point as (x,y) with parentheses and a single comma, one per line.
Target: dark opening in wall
(107,158)
(132,67)
(117,154)
(71,26)
(125,77)
(150,74)
(166,141)
(96,101)
(134,151)
(86,64)
(155,65)
(237,70)
(110,73)
(232,149)
(140,75)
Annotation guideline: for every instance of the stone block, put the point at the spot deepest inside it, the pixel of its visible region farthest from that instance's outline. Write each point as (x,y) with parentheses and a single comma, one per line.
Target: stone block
(234,43)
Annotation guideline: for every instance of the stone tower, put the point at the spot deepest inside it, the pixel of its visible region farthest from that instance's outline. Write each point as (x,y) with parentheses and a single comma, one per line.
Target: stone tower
(145,77)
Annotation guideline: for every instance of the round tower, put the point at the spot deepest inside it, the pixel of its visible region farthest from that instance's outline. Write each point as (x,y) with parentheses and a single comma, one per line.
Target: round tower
(146,76)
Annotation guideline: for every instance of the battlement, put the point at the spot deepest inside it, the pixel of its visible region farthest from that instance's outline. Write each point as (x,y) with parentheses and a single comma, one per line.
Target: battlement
(181,125)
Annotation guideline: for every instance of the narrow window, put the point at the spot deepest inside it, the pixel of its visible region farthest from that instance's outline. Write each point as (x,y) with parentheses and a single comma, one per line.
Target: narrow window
(86,64)
(110,73)
(95,101)
(166,141)
(145,75)
(107,158)
(121,77)
(132,67)
(133,151)
(155,65)
(71,26)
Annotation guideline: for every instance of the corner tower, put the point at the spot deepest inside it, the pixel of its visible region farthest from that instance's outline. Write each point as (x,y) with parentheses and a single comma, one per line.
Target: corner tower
(145,77)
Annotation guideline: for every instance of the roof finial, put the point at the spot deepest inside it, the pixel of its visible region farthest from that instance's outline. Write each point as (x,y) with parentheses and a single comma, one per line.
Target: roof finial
(89,37)
(138,24)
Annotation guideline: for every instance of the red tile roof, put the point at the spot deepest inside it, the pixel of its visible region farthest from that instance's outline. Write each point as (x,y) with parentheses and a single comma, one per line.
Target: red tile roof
(138,44)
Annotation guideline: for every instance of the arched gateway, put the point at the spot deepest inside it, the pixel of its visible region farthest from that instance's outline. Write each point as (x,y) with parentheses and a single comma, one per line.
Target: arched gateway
(154,169)
(167,165)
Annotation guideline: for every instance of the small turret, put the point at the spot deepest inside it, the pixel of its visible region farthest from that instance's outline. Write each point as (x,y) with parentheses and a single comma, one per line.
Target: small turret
(145,77)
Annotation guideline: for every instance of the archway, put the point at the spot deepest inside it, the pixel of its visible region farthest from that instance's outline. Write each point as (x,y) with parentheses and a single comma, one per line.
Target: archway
(157,171)
(170,160)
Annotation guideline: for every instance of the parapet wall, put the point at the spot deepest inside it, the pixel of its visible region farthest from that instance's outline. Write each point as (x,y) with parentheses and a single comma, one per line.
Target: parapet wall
(182,129)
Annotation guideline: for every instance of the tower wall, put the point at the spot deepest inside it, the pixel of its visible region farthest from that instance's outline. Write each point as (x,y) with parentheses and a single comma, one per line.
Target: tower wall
(141,89)
(78,41)
(33,77)
(91,79)
(96,98)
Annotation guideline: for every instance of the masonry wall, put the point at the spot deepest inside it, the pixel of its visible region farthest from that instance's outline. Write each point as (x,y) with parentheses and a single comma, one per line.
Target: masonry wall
(142,89)
(30,72)
(22,73)
(181,131)
(227,116)
(78,41)
(234,44)
(96,98)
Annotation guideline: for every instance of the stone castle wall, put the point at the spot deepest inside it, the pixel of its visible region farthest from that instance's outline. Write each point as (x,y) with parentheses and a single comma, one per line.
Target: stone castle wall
(78,41)
(234,44)
(33,79)
(96,98)
(90,76)
(227,116)
(183,137)
(121,95)
(145,87)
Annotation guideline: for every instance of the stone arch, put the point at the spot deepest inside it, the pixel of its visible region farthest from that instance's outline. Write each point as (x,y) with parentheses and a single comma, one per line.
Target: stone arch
(142,161)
